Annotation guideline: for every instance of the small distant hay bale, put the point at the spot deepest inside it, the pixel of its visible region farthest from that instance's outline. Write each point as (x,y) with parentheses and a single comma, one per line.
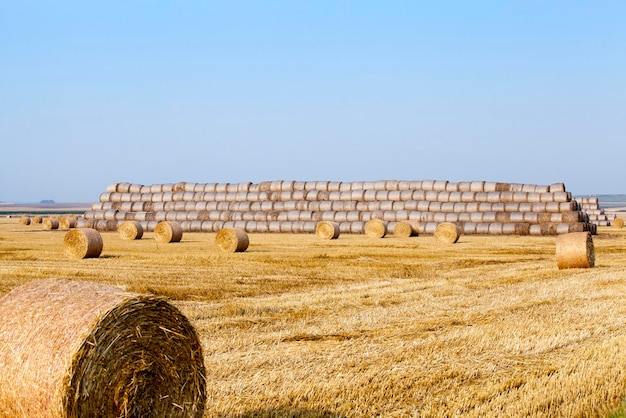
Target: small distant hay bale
(25,220)
(81,349)
(376,228)
(35,219)
(50,223)
(617,223)
(405,229)
(327,230)
(130,230)
(575,250)
(447,232)
(67,222)
(168,231)
(83,243)
(232,240)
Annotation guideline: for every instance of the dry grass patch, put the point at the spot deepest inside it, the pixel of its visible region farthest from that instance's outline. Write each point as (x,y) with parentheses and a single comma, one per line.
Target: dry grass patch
(359,327)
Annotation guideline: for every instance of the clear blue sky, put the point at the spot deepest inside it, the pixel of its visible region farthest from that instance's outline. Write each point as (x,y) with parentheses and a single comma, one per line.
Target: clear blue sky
(93,93)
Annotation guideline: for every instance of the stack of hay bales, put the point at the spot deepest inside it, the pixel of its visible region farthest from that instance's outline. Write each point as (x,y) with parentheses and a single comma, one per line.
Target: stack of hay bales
(596,215)
(476,207)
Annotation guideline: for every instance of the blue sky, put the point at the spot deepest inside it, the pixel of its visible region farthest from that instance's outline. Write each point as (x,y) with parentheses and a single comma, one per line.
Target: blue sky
(167,91)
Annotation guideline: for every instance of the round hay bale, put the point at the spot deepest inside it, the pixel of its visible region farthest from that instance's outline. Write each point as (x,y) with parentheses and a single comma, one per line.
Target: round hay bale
(617,223)
(327,230)
(406,229)
(25,220)
(67,222)
(50,223)
(130,230)
(232,240)
(35,219)
(83,243)
(376,228)
(81,349)
(575,250)
(168,231)
(447,232)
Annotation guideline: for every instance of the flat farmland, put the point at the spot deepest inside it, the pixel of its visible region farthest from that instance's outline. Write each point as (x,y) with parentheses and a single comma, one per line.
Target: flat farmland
(359,327)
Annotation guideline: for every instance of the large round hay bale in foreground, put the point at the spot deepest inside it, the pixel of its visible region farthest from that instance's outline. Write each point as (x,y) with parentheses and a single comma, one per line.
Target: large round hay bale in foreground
(376,228)
(168,231)
(80,349)
(617,223)
(232,240)
(405,229)
(327,230)
(130,230)
(447,232)
(575,250)
(83,243)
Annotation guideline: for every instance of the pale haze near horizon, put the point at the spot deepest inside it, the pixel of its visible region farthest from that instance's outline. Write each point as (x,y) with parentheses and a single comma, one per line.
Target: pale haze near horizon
(162,92)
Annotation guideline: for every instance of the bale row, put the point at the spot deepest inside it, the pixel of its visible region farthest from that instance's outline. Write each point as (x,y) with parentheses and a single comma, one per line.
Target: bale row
(354,195)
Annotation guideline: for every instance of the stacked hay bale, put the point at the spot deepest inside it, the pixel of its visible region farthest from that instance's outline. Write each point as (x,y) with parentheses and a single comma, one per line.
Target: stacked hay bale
(476,207)
(596,215)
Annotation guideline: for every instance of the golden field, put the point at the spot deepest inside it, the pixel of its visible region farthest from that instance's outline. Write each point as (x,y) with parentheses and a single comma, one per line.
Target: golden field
(359,327)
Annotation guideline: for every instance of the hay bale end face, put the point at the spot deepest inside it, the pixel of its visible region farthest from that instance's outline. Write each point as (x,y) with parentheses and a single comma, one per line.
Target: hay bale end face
(116,354)
(575,250)
(376,228)
(405,229)
(447,232)
(83,243)
(130,230)
(168,231)
(232,240)
(617,223)
(327,230)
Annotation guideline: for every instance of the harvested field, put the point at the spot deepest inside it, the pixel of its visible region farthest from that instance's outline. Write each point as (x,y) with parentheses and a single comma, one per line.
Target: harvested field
(354,327)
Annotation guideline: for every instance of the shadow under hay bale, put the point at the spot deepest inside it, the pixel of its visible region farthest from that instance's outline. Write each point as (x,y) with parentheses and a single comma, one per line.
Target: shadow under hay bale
(168,231)
(130,230)
(327,230)
(447,232)
(575,250)
(232,240)
(83,243)
(80,349)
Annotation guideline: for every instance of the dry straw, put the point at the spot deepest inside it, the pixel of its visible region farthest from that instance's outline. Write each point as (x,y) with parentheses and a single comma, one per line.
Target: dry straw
(376,228)
(617,223)
(130,230)
(50,223)
(168,231)
(36,219)
(67,222)
(327,230)
(575,250)
(406,229)
(232,240)
(447,232)
(83,243)
(25,220)
(81,349)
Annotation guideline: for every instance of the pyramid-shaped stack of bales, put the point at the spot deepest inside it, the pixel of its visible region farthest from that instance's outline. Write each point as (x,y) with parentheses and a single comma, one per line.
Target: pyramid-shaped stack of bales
(597,216)
(477,207)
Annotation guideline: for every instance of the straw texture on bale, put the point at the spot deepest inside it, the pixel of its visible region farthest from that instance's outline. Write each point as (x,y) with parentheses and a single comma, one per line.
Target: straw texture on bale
(575,250)
(327,230)
(406,229)
(50,223)
(376,228)
(167,231)
(447,232)
(83,243)
(81,349)
(130,230)
(617,223)
(232,240)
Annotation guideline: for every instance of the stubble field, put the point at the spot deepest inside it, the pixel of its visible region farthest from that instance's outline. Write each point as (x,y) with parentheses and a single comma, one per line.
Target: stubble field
(361,327)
